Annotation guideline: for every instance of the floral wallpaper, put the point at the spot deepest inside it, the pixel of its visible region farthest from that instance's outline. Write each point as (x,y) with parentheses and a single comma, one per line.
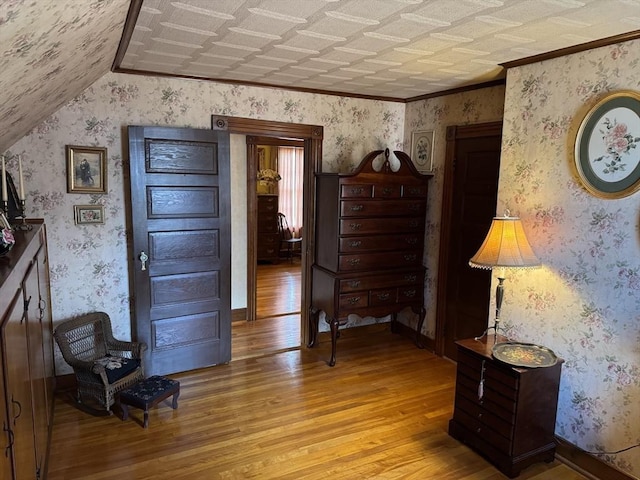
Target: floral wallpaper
(584,303)
(475,106)
(50,51)
(88,265)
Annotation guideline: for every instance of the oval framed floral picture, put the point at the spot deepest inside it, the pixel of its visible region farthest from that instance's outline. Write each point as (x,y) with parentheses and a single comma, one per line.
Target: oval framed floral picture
(607,148)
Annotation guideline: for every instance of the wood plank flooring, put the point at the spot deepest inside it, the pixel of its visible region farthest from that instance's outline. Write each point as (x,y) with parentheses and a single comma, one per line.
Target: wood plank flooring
(381,413)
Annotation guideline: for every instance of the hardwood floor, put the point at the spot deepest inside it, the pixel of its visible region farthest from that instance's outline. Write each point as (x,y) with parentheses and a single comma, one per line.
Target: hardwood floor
(281,413)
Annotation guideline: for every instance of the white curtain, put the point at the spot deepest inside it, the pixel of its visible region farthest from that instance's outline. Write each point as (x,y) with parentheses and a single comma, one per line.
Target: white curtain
(290,168)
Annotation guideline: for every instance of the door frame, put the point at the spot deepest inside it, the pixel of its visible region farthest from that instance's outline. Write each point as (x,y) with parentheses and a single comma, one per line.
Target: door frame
(454,133)
(312,136)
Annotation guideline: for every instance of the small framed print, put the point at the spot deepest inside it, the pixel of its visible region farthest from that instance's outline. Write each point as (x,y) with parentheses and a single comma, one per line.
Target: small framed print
(86,169)
(422,150)
(88,214)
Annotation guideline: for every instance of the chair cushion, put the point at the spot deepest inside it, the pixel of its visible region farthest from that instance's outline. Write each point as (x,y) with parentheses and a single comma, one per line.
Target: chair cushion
(117,367)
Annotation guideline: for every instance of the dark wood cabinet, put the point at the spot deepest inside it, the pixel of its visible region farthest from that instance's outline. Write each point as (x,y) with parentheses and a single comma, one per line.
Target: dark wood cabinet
(268,235)
(369,243)
(505,413)
(27,360)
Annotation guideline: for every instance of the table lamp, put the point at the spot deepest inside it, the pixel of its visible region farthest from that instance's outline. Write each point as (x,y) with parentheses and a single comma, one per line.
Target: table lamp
(506,246)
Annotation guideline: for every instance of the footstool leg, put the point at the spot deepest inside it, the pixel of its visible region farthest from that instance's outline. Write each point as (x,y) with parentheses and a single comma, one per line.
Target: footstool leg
(174,403)
(146,419)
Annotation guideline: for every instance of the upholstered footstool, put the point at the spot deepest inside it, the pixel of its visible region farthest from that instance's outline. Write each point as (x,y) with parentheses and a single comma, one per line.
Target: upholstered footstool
(148,393)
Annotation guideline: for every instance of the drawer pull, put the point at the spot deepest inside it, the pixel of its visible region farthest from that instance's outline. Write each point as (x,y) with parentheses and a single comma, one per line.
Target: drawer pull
(353,300)
(387,191)
(355,226)
(479,430)
(413,207)
(357,191)
(409,293)
(357,208)
(411,241)
(413,224)
(354,283)
(270,208)
(383,296)
(410,258)
(354,261)
(414,191)
(355,243)
(410,278)
(479,416)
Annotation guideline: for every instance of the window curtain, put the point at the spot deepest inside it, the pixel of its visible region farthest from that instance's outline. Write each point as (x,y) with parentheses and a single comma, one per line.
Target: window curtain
(290,188)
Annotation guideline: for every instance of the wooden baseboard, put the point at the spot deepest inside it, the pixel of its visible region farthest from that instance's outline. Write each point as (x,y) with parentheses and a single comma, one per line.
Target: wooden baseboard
(588,465)
(239,314)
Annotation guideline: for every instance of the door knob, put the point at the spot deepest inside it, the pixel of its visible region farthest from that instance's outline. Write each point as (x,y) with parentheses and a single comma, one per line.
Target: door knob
(143,259)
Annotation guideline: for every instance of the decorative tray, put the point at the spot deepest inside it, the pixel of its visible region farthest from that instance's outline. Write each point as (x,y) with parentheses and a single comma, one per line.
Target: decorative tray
(524,354)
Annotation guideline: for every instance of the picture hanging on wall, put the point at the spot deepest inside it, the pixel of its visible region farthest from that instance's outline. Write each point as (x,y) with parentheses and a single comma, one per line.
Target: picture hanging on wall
(88,214)
(422,150)
(607,147)
(86,169)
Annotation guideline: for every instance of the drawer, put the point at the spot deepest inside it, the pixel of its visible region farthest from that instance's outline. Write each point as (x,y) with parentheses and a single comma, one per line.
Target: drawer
(354,300)
(356,191)
(267,224)
(269,241)
(387,191)
(265,251)
(483,431)
(267,204)
(409,279)
(381,242)
(361,226)
(381,208)
(500,374)
(502,406)
(410,293)
(486,415)
(414,191)
(349,263)
(471,378)
(383,297)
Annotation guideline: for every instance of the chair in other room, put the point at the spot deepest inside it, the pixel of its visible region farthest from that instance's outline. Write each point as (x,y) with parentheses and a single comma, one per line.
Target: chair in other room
(287,240)
(103,365)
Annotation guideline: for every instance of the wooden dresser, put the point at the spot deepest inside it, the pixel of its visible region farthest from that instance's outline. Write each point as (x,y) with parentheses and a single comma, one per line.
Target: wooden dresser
(26,367)
(369,244)
(268,235)
(511,418)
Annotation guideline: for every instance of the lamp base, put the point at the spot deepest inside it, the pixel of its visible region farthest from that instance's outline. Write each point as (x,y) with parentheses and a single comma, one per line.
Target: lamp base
(496,329)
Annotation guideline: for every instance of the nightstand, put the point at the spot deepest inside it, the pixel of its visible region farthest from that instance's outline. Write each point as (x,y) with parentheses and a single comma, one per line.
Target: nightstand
(505,413)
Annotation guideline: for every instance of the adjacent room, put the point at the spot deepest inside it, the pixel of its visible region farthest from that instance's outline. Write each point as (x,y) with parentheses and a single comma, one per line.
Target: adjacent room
(357,239)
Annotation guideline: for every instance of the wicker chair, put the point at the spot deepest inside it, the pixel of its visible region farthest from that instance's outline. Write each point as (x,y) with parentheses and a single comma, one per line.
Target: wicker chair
(103,365)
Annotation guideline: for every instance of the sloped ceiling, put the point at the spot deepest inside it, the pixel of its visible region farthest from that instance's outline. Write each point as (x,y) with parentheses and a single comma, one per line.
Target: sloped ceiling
(51,50)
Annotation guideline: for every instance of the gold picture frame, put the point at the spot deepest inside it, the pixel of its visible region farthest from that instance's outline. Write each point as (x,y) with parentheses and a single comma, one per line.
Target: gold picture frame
(422,150)
(607,146)
(86,169)
(88,214)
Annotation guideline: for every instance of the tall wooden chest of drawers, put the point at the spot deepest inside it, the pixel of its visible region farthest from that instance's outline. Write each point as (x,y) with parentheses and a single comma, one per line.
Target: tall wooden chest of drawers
(369,243)
(268,235)
(505,413)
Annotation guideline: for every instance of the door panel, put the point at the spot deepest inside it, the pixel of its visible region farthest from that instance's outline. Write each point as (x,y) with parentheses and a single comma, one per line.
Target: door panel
(471,188)
(180,195)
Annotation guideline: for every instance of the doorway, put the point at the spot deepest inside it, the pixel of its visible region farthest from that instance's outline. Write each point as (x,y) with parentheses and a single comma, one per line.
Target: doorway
(311,137)
(472,168)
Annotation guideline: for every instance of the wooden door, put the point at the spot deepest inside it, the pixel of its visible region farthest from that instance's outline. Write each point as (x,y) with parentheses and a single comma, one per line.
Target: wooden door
(471,187)
(18,384)
(180,211)
(46,325)
(7,434)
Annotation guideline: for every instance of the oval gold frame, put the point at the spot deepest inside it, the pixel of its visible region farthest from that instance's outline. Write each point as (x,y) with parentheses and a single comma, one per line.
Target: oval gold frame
(631,183)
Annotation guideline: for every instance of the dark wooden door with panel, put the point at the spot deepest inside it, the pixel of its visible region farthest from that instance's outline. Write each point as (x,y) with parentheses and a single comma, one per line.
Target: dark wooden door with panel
(180,212)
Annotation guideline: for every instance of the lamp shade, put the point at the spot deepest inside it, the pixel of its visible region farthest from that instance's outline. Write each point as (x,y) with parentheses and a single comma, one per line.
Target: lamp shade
(506,245)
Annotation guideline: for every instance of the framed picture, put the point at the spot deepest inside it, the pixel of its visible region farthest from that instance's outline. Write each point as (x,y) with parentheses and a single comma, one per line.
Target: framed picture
(607,147)
(422,150)
(88,214)
(86,169)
